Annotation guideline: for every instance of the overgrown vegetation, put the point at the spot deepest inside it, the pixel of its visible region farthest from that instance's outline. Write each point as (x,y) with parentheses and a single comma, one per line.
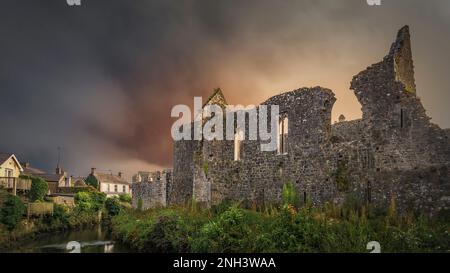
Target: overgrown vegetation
(15,226)
(125,198)
(289,228)
(39,189)
(112,206)
(12,212)
(289,196)
(92,181)
(341,176)
(90,201)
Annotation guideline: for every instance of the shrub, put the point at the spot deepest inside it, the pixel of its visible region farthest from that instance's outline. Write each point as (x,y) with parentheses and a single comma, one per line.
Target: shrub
(39,189)
(341,176)
(12,211)
(112,206)
(60,213)
(229,233)
(289,194)
(222,207)
(83,201)
(126,198)
(98,200)
(169,235)
(230,229)
(90,201)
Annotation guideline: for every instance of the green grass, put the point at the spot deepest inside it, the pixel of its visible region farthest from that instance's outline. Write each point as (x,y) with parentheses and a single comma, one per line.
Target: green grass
(231,229)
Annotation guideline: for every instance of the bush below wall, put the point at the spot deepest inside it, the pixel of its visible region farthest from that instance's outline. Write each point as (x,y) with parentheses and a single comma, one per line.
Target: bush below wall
(228,228)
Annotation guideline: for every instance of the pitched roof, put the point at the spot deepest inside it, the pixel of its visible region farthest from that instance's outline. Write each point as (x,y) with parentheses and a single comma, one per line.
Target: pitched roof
(6,156)
(50,177)
(32,171)
(109,178)
(79,182)
(217,98)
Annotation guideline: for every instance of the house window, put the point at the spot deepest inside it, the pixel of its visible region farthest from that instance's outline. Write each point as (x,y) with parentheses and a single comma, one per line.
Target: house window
(283,128)
(124,188)
(369,192)
(109,188)
(238,137)
(115,188)
(9,175)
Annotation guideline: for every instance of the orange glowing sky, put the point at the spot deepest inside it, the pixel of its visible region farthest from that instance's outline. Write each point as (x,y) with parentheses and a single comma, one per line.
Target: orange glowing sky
(100,80)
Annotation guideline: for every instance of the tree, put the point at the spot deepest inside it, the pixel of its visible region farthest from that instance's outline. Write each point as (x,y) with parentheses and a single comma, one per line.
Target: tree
(92,181)
(12,211)
(39,188)
(112,205)
(98,200)
(90,201)
(126,198)
(83,201)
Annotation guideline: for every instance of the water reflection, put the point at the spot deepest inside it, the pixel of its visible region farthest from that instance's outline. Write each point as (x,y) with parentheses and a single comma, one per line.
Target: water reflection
(84,241)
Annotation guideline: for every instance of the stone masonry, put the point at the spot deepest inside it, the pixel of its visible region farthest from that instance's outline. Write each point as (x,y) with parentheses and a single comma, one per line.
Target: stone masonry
(151,188)
(393,153)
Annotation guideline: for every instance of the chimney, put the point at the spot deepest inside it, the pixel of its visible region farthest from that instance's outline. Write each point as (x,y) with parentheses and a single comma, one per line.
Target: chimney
(25,164)
(120,174)
(93,171)
(58,170)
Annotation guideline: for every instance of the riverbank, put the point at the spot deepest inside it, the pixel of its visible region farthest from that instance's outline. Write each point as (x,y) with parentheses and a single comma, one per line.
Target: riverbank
(92,208)
(34,228)
(286,229)
(94,239)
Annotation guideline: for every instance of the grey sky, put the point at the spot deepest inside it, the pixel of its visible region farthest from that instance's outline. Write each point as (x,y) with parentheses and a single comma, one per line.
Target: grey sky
(99,80)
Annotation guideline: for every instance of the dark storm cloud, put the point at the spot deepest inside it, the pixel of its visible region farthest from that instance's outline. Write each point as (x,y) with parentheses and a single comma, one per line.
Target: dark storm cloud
(99,80)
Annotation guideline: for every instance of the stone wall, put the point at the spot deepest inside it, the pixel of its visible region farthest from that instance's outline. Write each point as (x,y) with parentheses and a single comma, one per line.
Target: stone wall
(153,192)
(393,152)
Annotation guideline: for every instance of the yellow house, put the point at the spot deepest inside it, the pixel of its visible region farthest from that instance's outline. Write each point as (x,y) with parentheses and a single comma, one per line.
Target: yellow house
(9,166)
(10,170)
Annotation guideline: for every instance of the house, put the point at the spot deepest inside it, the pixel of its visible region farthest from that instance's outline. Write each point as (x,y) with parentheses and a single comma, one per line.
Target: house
(110,184)
(10,171)
(65,195)
(56,180)
(78,182)
(9,166)
(28,170)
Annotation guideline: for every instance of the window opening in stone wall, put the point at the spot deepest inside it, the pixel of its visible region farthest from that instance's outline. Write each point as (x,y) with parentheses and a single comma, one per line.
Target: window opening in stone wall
(238,137)
(283,129)
(403,118)
(304,197)
(369,192)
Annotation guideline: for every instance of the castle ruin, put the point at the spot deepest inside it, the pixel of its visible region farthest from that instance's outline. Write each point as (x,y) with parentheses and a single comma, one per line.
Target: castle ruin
(393,153)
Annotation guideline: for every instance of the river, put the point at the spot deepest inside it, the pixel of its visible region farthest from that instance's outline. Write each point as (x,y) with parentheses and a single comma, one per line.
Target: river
(93,240)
